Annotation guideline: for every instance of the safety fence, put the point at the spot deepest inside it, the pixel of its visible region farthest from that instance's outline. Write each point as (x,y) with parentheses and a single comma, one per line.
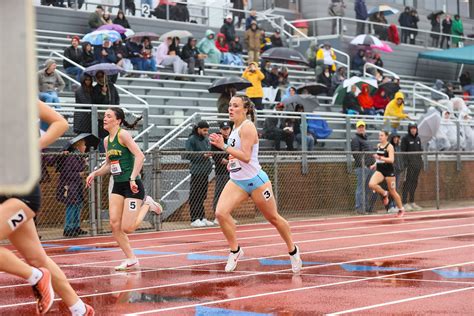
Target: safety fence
(305,185)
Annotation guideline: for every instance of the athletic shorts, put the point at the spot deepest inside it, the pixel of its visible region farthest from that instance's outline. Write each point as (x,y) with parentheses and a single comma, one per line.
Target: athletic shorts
(386,171)
(123,189)
(32,200)
(253,184)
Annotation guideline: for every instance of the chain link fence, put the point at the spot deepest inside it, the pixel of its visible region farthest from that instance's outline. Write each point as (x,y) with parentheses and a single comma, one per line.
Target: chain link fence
(306,185)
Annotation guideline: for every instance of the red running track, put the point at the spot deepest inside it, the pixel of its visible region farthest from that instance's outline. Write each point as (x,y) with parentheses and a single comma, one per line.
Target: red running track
(366,265)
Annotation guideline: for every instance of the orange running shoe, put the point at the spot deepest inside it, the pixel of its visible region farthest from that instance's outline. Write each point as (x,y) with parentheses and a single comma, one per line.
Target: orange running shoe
(44,293)
(89,310)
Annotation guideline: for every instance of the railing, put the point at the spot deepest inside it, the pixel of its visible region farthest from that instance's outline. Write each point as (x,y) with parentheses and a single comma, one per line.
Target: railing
(366,65)
(417,95)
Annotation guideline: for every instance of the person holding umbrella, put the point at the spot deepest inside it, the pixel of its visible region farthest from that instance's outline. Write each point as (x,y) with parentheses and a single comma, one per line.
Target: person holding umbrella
(253,74)
(227,87)
(104,92)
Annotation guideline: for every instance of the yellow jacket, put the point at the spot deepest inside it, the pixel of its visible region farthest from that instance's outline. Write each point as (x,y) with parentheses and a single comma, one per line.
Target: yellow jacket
(320,56)
(255,91)
(395,110)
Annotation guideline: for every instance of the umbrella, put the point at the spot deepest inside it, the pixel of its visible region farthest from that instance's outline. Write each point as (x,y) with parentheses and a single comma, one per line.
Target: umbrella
(284,54)
(138,37)
(129,32)
(385,9)
(177,33)
(313,88)
(97,37)
(429,125)
(433,15)
(91,141)
(113,27)
(109,69)
(366,40)
(309,102)
(384,48)
(343,89)
(238,83)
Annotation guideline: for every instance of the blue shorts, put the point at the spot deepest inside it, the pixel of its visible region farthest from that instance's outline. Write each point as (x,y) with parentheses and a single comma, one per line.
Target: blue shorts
(253,184)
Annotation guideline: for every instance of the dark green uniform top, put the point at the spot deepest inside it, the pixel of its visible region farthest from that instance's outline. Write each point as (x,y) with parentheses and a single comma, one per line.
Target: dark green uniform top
(121,159)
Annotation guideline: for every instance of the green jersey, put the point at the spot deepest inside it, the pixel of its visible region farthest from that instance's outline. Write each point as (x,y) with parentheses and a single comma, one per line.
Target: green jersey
(120,158)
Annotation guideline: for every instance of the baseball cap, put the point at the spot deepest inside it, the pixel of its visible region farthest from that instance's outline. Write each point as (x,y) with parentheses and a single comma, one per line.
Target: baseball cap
(360,123)
(203,124)
(224,124)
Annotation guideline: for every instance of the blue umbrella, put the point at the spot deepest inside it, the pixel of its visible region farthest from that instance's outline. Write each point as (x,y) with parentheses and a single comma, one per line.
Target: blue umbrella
(385,9)
(98,37)
(108,69)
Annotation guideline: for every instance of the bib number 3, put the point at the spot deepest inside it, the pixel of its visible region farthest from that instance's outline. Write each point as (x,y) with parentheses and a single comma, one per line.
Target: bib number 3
(17,219)
(267,194)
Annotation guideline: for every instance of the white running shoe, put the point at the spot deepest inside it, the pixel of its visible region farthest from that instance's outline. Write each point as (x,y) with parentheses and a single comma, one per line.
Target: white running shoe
(128,264)
(207,222)
(392,210)
(216,221)
(232,260)
(198,223)
(154,206)
(416,207)
(408,207)
(296,262)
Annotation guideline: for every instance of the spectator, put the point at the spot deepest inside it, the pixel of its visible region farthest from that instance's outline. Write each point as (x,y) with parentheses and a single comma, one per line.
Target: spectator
(122,56)
(414,163)
(438,86)
(457,30)
(465,79)
(380,101)
(310,139)
(336,8)
(224,99)
(404,20)
(200,169)
(279,129)
(70,189)
(266,68)
(350,104)
(252,41)
(130,6)
(447,24)
(255,92)
(228,29)
(397,166)
(271,78)
(207,46)
(361,14)
(104,92)
(50,83)
(88,57)
(73,53)
(276,39)
(413,24)
(362,162)
(192,57)
(251,18)
(449,90)
(337,79)
(283,76)
(358,61)
(311,54)
(227,57)
(235,47)
(96,19)
(435,27)
(378,60)
(326,56)
(392,89)
(467,134)
(240,15)
(105,53)
(148,62)
(134,54)
(326,77)
(379,30)
(290,92)
(83,95)
(220,161)
(395,111)
(365,100)
(122,20)
(107,18)
(164,59)
(174,49)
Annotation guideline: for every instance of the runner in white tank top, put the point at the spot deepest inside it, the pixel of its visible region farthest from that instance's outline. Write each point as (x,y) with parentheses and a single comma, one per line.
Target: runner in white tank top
(247,179)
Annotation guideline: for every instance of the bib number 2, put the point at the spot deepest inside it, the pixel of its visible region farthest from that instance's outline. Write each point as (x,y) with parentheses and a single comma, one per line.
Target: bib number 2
(17,219)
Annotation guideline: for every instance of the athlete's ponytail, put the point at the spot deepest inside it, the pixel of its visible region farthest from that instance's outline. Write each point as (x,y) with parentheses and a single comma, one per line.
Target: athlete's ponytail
(249,105)
(120,115)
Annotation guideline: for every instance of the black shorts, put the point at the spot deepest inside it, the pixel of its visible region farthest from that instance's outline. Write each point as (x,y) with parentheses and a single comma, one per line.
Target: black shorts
(123,189)
(386,171)
(32,200)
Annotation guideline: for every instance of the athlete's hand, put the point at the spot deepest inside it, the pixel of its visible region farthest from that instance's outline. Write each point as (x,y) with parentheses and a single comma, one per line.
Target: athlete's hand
(217,140)
(89,179)
(134,187)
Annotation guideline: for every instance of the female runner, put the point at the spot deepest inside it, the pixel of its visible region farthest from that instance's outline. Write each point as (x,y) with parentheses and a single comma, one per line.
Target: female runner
(383,165)
(16,224)
(127,203)
(247,179)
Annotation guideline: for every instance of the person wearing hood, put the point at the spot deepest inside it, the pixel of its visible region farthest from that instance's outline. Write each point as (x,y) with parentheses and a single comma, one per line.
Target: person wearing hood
(50,82)
(380,101)
(88,57)
(104,92)
(438,86)
(164,59)
(395,111)
(228,58)
(201,168)
(366,101)
(190,54)
(414,163)
(208,47)
(253,74)
(326,56)
(350,104)
(83,95)
(253,38)
(467,134)
(278,129)
(457,30)
(447,24)
(235,47)
(74,53)
(228,29)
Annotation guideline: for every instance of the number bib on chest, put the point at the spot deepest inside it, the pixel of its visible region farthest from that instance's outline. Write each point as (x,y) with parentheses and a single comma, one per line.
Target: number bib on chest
(115,168)
(233,165)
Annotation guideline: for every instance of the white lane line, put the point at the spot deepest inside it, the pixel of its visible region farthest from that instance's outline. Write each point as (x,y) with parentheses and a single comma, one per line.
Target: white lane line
(402,301)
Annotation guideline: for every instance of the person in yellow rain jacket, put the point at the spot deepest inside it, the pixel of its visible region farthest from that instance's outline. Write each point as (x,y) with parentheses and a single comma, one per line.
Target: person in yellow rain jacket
(395,111)
(325,56)
(253,74)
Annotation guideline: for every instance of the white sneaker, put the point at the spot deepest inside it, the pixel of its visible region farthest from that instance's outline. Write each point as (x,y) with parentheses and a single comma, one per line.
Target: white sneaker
(296,262)
(407,207)
(128,264)
(216,221)
(416,207)
(392,210)
(154,206)
(207,222)
(232,260)
(198,223)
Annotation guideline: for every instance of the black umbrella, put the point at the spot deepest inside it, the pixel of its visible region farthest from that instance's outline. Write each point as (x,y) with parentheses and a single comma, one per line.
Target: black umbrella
(283,54)
(220,85)
(91,141)
(309,102)
(313,88)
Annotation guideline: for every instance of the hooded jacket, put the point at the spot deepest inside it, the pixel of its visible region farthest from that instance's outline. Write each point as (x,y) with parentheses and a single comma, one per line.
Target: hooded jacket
(253,39)
(364,98)
(70,189)
(457,29)
(82,119)
(395,110)
(224,48)
(439,84)
(207,46)
(256,78)
(412,143)
(380,102)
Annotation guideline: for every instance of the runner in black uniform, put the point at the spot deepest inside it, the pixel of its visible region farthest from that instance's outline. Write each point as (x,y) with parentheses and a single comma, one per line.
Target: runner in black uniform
(383,165)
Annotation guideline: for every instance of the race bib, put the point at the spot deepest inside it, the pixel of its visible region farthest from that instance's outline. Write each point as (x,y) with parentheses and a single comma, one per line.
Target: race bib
(233,165)
(115,168)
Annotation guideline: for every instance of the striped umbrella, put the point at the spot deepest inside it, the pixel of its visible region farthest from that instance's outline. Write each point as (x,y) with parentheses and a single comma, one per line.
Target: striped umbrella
(367,40)
(385,9)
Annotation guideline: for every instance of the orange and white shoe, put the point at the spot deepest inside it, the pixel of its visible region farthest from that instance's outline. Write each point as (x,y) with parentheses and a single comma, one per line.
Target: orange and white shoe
(154,206)
(89,310)
(44,293)
(401,212)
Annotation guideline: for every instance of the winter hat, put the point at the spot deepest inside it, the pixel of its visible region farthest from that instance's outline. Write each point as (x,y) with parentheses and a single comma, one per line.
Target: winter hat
(75,37)
(203,124)
(49,62)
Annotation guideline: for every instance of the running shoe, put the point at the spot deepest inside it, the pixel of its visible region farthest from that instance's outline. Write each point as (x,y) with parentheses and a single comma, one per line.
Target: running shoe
(198,223)
(296,262)
(400,213)
(128,264)
(89,311)
(207,222)
(232,260)
(407,207)
(154,206)
(416,207)
(44,293)
(392,210)
(385,199)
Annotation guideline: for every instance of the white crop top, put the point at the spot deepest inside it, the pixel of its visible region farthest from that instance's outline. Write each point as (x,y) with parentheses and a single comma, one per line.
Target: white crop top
(240,170)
